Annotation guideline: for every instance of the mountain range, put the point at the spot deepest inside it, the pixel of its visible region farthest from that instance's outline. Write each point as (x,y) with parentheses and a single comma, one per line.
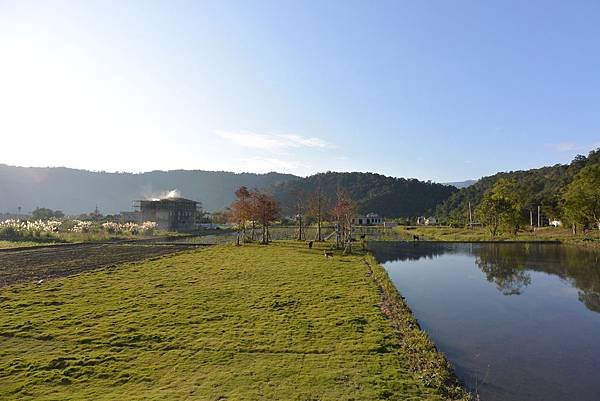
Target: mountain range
(76,191)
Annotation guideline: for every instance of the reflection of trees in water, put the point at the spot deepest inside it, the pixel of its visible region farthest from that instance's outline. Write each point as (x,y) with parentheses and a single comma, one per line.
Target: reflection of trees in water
(590,299)
(389,251)
(503,266)
(508,265)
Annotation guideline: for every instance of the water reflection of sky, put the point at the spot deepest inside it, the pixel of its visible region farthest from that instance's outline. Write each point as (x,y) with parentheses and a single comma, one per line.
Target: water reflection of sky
(518,321)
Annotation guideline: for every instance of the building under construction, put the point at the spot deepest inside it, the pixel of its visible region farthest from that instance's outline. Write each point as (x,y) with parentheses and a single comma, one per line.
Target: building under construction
(171,214)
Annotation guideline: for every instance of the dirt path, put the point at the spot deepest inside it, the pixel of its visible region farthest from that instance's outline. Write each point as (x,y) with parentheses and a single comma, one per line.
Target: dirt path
(28,265)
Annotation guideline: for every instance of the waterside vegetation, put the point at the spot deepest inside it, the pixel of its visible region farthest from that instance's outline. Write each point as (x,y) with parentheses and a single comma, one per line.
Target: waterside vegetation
(476,234)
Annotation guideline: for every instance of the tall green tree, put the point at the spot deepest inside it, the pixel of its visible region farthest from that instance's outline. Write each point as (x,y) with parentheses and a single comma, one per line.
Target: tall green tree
(582,197)
(502,206)
(488,212)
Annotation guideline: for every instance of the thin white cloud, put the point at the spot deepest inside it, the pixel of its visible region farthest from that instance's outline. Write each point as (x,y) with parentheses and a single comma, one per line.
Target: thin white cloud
(275,143)
(572,146)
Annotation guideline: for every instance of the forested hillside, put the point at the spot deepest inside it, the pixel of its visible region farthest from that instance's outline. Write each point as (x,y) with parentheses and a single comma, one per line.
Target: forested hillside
(388,196)
(77,191)
(542,186)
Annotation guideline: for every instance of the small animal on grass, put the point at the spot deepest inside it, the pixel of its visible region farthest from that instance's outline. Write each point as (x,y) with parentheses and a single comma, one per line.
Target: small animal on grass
(415,237)
(310,243)
(363,236)
(328,254)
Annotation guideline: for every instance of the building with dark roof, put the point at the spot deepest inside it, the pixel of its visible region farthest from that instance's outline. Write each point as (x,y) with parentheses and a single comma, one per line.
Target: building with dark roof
(170,214)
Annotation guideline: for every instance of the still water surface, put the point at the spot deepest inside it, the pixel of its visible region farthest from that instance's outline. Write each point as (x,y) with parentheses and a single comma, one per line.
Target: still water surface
(517,321)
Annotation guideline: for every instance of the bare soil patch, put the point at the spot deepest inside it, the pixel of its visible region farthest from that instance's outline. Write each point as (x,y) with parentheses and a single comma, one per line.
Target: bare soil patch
(27,265)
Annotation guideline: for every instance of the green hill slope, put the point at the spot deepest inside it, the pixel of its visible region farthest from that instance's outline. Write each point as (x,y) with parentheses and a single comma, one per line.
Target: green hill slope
(76,191)
(544,186)
(388,196)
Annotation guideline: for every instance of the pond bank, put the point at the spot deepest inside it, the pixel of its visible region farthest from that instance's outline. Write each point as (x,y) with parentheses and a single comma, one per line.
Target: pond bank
(517,321)
(424,358)
(481,235)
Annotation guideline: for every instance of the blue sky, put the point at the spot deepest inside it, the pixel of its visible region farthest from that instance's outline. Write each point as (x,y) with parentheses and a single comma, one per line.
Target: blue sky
(435,90)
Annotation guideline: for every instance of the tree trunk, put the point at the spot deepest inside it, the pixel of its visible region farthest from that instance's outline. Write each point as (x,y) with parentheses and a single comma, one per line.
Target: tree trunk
(299,229)
(574,228)
(252,232)
(319,237)
(268,235)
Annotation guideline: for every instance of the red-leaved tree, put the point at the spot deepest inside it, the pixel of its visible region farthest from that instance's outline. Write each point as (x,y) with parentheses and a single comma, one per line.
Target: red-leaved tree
(343,213)
(266,212)
(241,211)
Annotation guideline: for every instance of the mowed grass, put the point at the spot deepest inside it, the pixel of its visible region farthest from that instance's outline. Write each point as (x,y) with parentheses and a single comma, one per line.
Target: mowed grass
(276,322)
(440,233)
(16,244)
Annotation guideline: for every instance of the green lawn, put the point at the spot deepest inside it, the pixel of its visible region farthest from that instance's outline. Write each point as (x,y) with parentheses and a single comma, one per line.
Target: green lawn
(17,244)
(439,233)
(277,322)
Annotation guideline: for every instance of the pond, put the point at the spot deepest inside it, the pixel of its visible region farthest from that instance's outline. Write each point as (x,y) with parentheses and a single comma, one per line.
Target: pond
(517,321)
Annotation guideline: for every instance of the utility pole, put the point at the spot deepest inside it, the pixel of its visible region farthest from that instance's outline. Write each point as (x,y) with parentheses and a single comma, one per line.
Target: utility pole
(470,216)
(539,217)
(531,217)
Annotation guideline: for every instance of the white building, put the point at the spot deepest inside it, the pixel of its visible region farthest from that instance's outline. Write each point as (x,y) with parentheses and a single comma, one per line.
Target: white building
(556,223)
(368,220)
(430,221)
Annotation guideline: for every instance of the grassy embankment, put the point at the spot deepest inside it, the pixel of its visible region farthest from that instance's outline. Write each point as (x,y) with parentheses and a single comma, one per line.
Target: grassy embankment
(76,238)
(17,244)
(437,233)
(253,322)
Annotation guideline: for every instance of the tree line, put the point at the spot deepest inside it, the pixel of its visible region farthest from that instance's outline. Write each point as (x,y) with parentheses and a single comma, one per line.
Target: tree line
(387,196)
(254,210)
(507,203)
(562,191)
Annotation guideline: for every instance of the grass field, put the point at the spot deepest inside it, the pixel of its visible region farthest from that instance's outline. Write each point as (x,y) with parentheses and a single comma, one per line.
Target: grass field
(277,322)
(17,244)
(438,233)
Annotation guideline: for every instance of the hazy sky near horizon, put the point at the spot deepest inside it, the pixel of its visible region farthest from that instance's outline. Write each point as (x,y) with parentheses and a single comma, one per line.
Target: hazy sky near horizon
(440,90)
